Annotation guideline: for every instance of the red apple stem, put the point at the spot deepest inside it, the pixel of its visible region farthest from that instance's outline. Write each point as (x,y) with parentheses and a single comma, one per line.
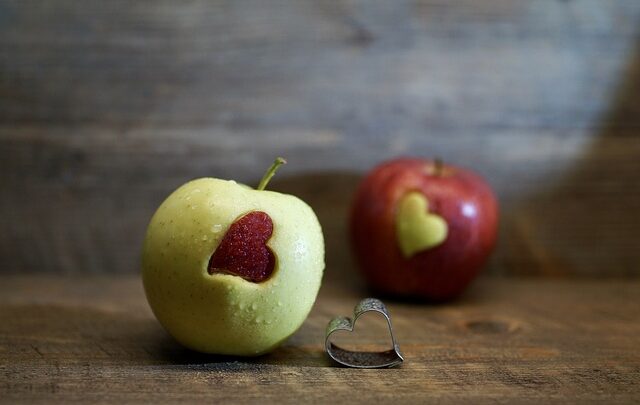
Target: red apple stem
(270,172)
(438,166)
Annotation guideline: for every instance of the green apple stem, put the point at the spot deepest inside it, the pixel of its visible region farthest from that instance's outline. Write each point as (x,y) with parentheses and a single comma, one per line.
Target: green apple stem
(270,172)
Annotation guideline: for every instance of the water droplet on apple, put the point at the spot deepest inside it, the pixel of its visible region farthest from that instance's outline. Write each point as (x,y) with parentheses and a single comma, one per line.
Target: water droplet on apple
(216,228)
(205,237)
(254,306)
(258,320)
(188,198)
(241,305)
(279,303)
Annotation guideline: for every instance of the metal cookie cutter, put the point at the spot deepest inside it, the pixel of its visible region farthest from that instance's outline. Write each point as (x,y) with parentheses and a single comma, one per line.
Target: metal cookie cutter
(388,358)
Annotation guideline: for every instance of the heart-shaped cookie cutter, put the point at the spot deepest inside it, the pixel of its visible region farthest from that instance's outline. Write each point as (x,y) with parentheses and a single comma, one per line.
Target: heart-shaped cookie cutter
(388,358)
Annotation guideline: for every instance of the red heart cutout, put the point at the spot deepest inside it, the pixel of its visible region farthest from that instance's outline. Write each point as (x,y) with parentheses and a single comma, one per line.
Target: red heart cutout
(243,251)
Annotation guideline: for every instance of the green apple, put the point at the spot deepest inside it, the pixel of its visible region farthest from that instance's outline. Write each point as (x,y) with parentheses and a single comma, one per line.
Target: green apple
(222,312)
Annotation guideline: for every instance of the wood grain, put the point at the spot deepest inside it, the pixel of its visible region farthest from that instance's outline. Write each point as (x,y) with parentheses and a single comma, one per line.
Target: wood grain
(93,339)
(105,107)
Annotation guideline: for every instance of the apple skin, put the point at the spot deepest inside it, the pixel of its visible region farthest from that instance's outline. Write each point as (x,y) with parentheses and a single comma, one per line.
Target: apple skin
(222,313)
(439,273)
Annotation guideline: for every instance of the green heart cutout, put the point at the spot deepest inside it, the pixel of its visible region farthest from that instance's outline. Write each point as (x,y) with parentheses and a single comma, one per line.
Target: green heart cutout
(416,228)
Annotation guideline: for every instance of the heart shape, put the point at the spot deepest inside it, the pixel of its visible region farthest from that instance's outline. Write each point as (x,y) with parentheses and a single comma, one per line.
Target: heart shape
(243,251)
(417,229)
(388,358)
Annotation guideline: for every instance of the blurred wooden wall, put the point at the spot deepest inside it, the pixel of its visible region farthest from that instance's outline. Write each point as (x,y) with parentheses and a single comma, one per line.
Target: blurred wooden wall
(107,106)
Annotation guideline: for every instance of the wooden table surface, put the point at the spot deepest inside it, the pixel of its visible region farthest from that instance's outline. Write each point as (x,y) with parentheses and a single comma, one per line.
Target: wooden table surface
(94,339)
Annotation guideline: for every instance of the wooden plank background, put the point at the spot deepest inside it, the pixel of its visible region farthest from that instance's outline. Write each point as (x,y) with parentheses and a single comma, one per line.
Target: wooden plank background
(105,107)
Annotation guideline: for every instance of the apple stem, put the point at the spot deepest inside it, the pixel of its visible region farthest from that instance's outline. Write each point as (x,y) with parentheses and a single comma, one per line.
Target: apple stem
(438,166)
(270,172)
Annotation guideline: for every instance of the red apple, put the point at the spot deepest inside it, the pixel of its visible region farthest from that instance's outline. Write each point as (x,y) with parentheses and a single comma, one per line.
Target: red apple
(420,228)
